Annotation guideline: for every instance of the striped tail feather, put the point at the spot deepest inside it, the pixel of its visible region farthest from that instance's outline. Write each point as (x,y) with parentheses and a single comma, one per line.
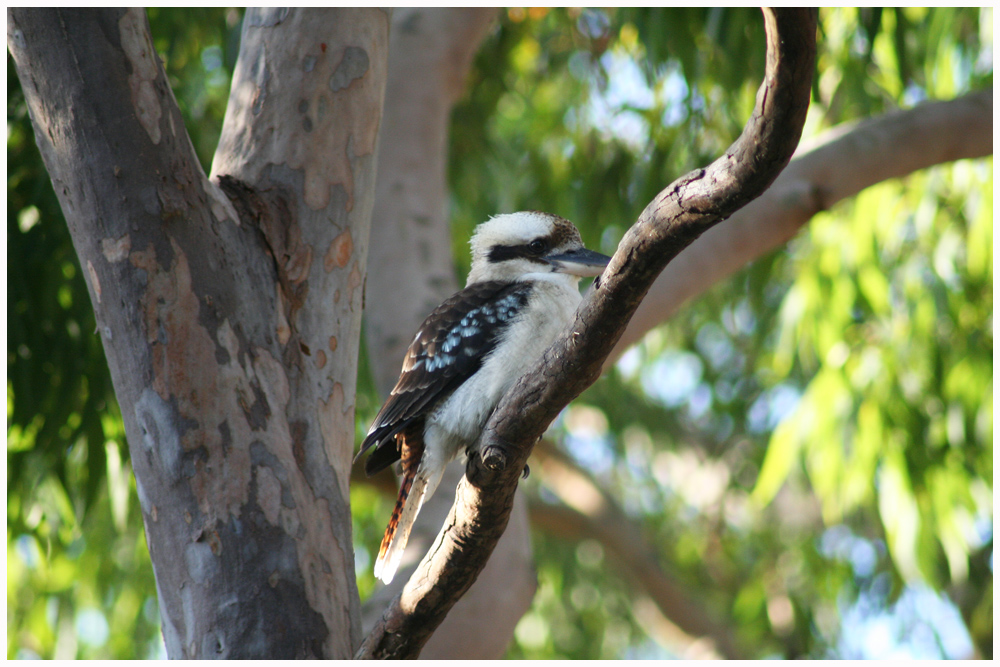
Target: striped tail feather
(422,473)
(410,443)
(400,525)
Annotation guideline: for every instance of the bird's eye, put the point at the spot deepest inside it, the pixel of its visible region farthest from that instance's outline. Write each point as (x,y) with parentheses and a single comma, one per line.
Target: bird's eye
(537,246)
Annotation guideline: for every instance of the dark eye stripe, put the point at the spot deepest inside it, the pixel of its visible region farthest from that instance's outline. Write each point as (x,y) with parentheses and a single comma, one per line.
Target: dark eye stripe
(501,253)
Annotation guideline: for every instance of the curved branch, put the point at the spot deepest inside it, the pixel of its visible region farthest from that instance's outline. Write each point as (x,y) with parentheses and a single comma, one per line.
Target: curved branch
(838,165)
(675,217)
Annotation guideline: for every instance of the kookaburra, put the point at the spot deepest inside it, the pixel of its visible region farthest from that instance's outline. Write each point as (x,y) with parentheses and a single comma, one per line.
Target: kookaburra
(521,294)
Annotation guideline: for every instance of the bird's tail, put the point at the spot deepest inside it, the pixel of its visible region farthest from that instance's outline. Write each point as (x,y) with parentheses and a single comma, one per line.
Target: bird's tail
(414,490)
(421,476)
(400,524)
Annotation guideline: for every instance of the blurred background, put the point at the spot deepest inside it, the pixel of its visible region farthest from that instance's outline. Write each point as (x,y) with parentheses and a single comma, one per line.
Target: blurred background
(805,451)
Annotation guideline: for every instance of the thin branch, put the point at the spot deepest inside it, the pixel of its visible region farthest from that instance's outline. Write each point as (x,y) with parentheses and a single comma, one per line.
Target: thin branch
(677,216)
(838,165)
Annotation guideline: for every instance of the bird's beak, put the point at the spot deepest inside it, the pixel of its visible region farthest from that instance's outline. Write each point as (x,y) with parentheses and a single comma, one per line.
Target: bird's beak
(582,262)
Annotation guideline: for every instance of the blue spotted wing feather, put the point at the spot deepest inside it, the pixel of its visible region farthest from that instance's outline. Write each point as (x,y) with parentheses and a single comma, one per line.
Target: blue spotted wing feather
(449,347)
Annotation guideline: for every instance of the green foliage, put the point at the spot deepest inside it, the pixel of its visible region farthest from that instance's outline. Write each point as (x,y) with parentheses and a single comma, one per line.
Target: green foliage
(199,49)
(581,610)
(892,323)
(63,431)
(805,441)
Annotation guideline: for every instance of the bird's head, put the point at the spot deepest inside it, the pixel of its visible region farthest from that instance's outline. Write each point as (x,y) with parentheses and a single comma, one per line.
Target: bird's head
(531,245)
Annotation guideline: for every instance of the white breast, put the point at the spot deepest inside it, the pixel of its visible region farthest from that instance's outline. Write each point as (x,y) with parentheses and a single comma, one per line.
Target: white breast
(456,424)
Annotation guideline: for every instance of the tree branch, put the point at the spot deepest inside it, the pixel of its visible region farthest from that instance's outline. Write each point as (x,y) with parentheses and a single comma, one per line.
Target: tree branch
(838,165)
(677,216)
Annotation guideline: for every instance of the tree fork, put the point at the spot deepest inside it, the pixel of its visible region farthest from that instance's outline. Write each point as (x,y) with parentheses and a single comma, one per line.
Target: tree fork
(233,352)
(673,220)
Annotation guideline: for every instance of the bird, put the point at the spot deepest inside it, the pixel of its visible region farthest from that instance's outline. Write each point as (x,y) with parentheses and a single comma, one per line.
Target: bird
(522,293)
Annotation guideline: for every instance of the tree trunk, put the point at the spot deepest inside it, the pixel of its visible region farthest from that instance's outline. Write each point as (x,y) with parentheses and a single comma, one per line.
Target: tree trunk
(232,352)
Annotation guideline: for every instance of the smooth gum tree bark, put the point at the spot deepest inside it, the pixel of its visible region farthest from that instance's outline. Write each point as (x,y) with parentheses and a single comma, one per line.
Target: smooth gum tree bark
(229,308)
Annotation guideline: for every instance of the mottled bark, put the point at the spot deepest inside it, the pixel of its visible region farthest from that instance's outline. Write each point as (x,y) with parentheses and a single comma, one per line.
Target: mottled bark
(677,216)
(232,351)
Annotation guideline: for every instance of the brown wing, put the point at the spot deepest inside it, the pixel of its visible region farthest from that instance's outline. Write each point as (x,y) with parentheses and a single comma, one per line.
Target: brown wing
(449,347)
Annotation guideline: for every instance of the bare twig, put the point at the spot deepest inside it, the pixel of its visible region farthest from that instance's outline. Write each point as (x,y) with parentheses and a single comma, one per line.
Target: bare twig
(677,216)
